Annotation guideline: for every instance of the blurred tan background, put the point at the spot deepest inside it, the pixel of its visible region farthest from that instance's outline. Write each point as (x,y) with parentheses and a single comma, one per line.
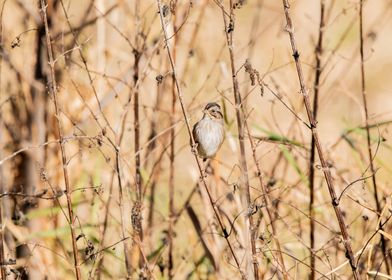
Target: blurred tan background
(97,83)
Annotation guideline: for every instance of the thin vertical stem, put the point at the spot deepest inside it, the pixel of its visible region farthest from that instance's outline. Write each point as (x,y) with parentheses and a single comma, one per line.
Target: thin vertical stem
(229,30)
(313,126)
(137,52)
(2,258)
(172,156)
(193,144)
(318,54)
(137,55)
(171,188)
(267,204)
(151,149)
(122,216)
(53,91)
(369,145)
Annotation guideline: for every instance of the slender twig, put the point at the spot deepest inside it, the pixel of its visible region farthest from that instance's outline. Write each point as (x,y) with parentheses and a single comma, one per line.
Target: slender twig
(84,60)
(193,144)
(352,183)
(122,215)
(193,37)
(372,236)
(267,203)
(156,169)
(196,224)
(53,91)
(327,172)
(253,75)
(379,274)
(137,53)
(369,145)
(117,172)
(2,258)
(137,56)
(85,23)
(318,70)
(172,157)
(229,30)
(98,270)
(106,248)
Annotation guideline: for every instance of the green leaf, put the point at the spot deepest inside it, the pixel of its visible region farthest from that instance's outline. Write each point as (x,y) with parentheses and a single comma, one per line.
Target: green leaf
(272,136)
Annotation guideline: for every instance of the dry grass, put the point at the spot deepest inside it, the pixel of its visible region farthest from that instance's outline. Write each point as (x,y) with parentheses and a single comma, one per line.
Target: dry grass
(142,206)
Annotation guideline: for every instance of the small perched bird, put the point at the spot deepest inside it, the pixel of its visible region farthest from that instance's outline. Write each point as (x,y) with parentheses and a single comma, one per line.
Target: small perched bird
(209,132)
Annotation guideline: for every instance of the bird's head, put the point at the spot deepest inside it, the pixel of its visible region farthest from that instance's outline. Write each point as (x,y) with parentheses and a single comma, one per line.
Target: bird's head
(213,110)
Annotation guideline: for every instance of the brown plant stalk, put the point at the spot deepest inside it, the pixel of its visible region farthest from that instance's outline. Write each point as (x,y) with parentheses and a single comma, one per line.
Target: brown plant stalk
(157,166)
(117,172)
(137,53)
(318,70)
(2,258)
(53,92)
(313,125)
(193,144)
(122,216)
(369,144)
(267,203)
(171,157)
(229,30)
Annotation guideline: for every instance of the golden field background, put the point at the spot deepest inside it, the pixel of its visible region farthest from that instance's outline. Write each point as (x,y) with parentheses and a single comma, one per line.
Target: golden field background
(98,80)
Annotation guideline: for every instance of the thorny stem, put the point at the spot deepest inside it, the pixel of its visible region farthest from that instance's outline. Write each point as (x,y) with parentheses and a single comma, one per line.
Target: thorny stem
(229,29)
(193,144)
(369,145)
(318,54)
(324,165)
(53,91)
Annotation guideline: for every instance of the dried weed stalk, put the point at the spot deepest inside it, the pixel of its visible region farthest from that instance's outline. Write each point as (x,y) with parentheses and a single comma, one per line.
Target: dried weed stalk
(313,124)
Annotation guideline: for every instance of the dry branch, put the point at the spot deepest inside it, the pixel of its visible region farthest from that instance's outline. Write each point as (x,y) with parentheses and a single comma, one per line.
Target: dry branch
(384,243)
(317,85)
(313,124)
(229,30)
(54,93)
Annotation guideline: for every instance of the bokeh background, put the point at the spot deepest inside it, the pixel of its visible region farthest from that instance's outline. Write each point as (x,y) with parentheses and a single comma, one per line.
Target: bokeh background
(110,55)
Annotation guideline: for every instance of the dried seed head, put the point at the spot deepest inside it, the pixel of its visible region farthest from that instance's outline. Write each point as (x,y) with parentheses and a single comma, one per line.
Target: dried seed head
(136,217)
(159,79)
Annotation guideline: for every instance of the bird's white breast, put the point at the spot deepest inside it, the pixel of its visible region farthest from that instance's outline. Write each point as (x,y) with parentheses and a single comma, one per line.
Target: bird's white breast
(210,136)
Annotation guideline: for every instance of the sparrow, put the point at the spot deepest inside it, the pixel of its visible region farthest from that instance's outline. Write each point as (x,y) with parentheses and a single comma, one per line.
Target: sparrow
(209,132)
